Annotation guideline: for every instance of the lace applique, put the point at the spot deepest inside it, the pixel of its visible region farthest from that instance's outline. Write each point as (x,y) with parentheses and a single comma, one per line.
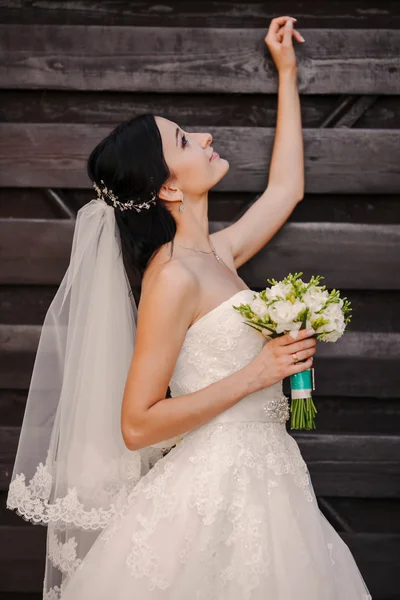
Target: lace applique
(216,348)
(215,491)
(330,546)
(54,593)
(224,460)
(263,447)
(271,484)
(63,555)
(141,560)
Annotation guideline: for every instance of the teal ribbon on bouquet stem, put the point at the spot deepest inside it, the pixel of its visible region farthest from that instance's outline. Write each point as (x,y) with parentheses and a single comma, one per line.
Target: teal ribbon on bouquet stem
(302,407)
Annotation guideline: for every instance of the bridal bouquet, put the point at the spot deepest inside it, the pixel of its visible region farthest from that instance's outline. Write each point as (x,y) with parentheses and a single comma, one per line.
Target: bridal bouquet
(291,305)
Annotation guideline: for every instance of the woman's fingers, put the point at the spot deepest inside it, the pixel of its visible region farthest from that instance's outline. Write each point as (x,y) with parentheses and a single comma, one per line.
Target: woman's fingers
(287,31)
(299,367)
(292,336)
(301,354)
(279,26)
(278,22)
(296,34)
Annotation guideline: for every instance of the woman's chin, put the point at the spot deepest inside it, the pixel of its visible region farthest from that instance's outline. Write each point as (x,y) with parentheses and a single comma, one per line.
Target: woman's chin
(223,164)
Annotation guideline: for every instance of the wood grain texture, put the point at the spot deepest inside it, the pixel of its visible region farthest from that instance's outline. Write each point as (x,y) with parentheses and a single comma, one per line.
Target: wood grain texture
(338,367)
(205,109)
(351,465)
(221,60)
(349,256)
(203,13)
(71,71)
(27,305)
(377,554)
(51,155)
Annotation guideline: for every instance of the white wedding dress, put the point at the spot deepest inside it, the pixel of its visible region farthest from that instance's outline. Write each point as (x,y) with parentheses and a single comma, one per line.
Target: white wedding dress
(230,512)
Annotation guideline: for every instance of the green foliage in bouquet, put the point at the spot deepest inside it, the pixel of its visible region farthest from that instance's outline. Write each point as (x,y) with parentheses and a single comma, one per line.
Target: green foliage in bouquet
(290,305)
(296,293)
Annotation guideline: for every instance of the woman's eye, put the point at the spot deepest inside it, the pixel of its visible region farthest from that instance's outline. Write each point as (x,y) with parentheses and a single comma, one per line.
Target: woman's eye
(184,139)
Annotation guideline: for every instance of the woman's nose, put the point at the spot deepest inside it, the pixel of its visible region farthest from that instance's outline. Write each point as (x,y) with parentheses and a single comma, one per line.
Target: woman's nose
(208,138)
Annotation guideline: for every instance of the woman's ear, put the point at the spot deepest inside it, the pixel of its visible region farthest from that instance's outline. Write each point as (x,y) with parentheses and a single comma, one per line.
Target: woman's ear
(169,193)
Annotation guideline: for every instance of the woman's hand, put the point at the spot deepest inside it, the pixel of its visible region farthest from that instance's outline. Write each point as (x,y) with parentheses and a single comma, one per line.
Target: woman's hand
(274,362)
(279,42)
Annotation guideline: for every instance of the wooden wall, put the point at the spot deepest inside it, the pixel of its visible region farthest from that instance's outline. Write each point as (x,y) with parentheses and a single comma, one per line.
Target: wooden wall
(70,71)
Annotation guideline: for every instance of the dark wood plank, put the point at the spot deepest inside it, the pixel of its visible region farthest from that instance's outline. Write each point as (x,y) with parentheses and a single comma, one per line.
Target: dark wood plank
(330,13)
(38,251)
(237,110)
(373,515)
(27,305)
(336,414)
(348,256)
(348,448)
(143,59)
(337,366)
(40,246)
(339,465)
(373,311)
(22,558)
(254,110)
(34,203)
(50,155)
(377,556)
(352,345)
(357,377)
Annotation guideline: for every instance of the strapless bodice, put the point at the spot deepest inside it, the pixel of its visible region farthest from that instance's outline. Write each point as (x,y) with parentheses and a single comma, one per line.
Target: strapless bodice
(219,344)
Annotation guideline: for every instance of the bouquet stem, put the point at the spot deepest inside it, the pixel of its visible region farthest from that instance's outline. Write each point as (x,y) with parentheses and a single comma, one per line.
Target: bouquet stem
(303,411)
(302,407)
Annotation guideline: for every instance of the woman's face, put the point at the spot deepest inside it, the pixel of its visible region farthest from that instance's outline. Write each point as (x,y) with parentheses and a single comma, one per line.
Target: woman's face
(188,157)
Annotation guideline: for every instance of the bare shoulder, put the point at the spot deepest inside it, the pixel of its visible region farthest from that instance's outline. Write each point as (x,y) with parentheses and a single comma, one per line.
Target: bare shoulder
(169,289)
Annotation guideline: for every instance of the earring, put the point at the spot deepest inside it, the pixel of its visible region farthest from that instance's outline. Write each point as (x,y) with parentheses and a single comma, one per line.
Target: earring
(181,208)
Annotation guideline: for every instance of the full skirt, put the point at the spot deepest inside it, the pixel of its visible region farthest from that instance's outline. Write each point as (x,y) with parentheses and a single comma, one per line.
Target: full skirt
(228,514)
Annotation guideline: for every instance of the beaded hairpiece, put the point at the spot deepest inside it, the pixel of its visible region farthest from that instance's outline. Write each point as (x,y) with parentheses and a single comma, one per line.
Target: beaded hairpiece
(122,205)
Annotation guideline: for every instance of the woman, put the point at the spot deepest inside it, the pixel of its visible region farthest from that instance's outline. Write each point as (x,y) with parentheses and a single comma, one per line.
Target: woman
(204,494)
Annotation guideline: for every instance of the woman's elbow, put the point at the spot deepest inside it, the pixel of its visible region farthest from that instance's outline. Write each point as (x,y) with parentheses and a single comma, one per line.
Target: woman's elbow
(133,440)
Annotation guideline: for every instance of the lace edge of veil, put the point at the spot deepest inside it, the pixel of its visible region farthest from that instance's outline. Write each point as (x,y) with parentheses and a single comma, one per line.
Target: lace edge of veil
(32,500)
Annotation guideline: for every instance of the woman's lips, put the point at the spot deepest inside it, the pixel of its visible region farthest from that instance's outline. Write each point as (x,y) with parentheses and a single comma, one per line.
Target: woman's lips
(214,156)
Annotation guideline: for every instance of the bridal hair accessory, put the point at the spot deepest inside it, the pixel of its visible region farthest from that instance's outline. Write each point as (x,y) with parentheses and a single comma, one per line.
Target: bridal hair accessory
(73,471)
(108,193)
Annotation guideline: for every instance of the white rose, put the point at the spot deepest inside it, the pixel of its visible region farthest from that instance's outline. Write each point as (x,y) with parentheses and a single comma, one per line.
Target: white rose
(283,312)
(335,314)
(336,323)
(259,307)
(332,336)
(315,298)
(278,291)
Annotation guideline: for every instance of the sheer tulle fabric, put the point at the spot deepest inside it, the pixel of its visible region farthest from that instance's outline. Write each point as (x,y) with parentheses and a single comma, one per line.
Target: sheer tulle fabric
(72,469)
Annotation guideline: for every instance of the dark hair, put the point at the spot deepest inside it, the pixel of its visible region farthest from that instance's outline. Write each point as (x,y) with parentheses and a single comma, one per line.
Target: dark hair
(131,163)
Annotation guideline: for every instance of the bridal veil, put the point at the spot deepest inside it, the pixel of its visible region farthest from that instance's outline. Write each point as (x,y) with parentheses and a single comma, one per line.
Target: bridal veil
(72,470)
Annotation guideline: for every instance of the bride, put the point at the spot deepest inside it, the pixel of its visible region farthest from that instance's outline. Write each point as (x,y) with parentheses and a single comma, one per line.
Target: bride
(203,494)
